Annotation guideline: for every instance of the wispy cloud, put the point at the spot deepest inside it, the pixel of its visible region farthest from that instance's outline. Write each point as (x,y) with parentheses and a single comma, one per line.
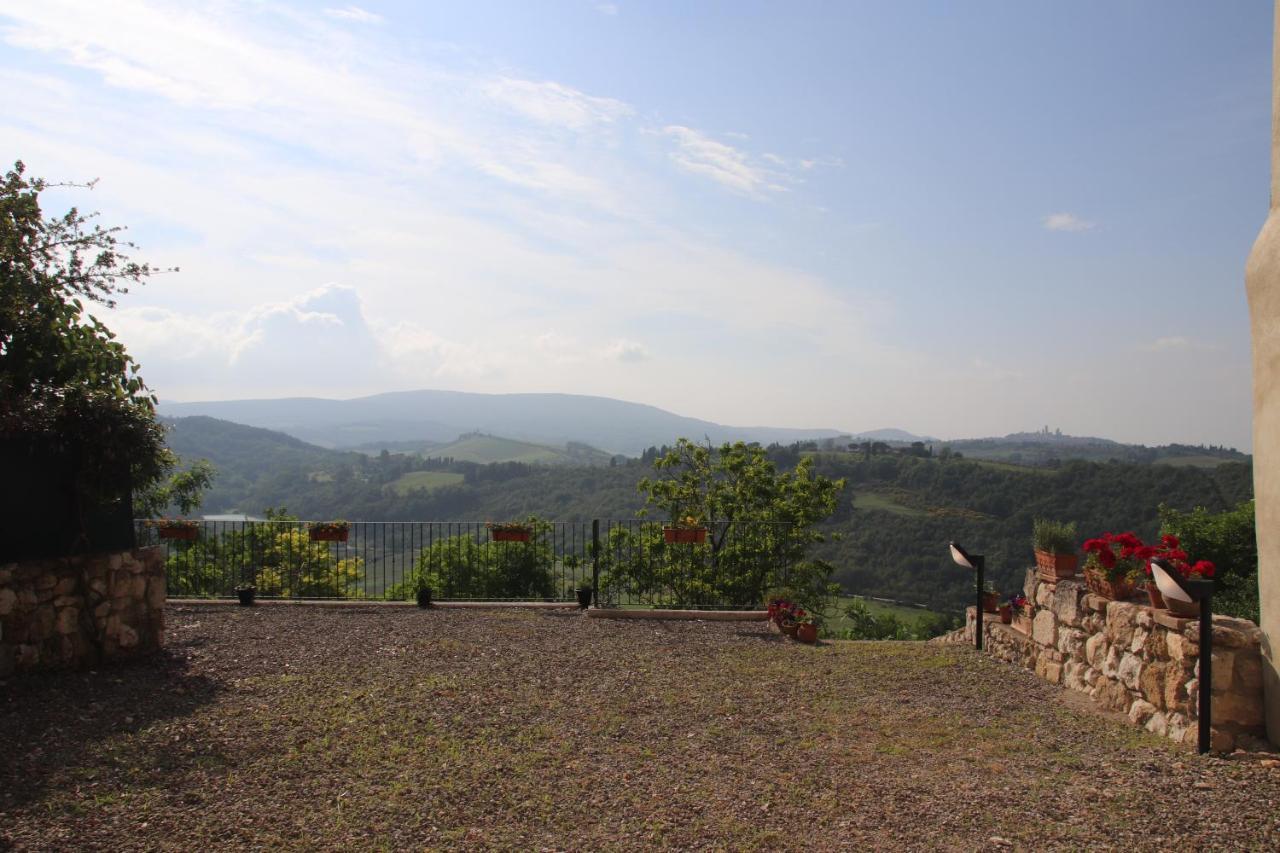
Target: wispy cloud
(552,103)
(1175,343)
(607,8)
(354,13)
(726,165)
(1067,222)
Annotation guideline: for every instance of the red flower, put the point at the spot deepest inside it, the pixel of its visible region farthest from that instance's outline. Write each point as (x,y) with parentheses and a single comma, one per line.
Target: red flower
(1169,540)
(1204,568)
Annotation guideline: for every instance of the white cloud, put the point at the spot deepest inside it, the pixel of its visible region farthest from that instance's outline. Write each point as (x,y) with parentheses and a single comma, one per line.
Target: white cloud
(1067,222)
(548,102)
(354,13)
(1176,343)
(607,8)
(625,350)
(728,166)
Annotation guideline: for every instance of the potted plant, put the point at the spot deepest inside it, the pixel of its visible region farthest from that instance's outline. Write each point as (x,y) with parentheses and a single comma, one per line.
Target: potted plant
(1006,612)
(990,598)
(789,622)
(584,592)
(509,531)
(1022,611)
(1114,564)
(177,528)
(246,592)
(1170,550)
(422,591)
(329,531)
(687,531)
(1055,546)
(806,628)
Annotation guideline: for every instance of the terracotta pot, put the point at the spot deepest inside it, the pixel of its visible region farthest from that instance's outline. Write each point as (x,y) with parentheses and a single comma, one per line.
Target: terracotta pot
(1006,613)
(185,533)
(685,535)
(1055,567)
(790,628)
(1156,599)
(1022,623)
(329,535)
(510,535)
(990,602)
(807,632)
(1115,590)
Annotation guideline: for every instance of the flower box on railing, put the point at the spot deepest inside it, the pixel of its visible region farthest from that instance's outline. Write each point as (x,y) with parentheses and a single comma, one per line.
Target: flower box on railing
(684,535)
(509,532)
(178,532)
(329,531)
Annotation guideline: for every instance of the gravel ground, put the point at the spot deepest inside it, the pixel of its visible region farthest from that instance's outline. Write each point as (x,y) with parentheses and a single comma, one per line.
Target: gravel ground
(309,728)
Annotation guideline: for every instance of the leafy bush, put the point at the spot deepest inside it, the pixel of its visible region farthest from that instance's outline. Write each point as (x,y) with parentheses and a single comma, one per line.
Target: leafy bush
(1228,540)
(462,567)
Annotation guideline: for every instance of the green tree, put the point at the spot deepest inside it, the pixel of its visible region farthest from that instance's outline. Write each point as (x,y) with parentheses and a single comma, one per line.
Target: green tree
(463,567)
(64,379)
(1227,539)
(761,524)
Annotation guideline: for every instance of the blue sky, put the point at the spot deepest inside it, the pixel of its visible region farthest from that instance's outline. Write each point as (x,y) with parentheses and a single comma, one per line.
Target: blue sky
(961,219)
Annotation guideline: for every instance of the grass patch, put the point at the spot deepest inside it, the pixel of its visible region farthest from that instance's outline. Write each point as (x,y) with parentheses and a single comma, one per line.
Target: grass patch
(429,480)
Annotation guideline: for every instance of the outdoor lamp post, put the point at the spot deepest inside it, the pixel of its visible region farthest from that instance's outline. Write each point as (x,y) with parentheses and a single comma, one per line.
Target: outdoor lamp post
(977,563)
(1189,590)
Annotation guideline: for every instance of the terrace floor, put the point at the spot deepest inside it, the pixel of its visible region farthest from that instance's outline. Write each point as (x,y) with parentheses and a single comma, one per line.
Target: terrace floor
(325,728)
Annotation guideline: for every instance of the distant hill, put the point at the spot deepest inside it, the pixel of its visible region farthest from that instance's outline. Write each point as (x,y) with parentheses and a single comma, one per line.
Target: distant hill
(891,434)
(614,426)
(1048,449)
(489,449)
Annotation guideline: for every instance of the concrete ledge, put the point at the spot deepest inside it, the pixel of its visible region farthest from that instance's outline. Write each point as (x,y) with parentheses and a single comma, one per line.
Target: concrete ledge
(685,615)
(364,602)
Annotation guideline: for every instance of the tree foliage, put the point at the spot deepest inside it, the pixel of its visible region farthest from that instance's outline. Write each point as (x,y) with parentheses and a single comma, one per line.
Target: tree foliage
(64,379)
(1227,539)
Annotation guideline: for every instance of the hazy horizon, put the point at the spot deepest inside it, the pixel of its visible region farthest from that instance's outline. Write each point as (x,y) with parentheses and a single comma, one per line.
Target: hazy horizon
(958,221)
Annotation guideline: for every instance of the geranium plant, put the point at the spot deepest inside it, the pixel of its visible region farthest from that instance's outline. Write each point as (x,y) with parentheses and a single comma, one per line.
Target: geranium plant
(175,523)
(1117,556)
(329,526)
(1018,602)
(509,526)
(1170,550)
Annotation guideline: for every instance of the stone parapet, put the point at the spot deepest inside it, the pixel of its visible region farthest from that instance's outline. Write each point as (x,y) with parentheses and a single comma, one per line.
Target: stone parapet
(1133,659)
(81,611)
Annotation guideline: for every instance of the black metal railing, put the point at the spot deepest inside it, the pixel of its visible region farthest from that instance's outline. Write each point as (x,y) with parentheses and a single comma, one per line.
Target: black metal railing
(628,563)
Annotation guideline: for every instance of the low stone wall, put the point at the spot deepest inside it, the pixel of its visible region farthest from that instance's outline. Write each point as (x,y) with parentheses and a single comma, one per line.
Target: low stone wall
(1134,659)
(80,611)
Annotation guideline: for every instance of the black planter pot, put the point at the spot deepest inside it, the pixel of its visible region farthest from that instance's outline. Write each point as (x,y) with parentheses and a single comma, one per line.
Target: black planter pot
(584,597)
(246,596)
(424,597)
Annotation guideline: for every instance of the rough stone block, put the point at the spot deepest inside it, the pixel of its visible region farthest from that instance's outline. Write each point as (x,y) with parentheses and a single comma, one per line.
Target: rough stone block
(1175,691)
(67,601)
(1177,727)
(1130,670)
(1044,629)
(68,620)
(1248,671)
(1224,661)
(1140,711)
(1143,617)
(1066,602)
(98,586)
(1241,709)
(1071,642)
(1112,695)
(127,637)
(1094,603)
(1138,640)
(1095,649)
(46,581)
(8,601)
(27,598)
(28,655)
(1165,619)
(1091,676)
(1073,675)
(65,586)
(1111,663)
(1179,647)
(1029,583)
(1120,615)
(1044,595)
(156,592)
(1053,672)
(1151,683)
(1158,724)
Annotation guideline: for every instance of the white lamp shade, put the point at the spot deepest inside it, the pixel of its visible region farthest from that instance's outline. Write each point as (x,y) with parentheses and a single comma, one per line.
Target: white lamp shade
(960,557)
(1168,586)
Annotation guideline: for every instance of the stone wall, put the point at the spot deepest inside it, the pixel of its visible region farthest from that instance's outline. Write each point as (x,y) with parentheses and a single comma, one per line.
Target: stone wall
(80,611)
(1134,659)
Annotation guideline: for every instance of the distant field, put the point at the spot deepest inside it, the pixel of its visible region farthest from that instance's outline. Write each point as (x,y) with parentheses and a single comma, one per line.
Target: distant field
(487,449)
(1015,467)
(875,501)
(910,615)
(423,480)
(1194,461)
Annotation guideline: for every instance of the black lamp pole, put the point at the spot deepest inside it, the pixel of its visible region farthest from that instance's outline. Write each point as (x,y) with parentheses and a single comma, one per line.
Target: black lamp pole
(1173,585)
(978,563)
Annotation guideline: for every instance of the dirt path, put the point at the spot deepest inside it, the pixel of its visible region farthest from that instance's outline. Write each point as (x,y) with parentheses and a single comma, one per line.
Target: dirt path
(338,729)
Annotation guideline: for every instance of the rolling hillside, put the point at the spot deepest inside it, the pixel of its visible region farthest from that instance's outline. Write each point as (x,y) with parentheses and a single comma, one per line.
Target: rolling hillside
(612,425)
(489,449)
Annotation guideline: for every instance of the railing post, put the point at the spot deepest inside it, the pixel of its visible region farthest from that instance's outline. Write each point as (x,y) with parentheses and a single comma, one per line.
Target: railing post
(595,562)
